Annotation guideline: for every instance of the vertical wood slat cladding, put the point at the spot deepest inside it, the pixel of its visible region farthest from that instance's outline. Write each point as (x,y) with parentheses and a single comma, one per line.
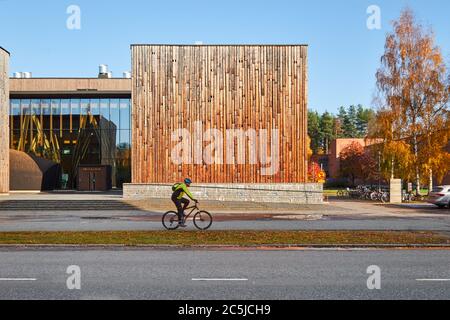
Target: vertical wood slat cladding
(4,121)
(226,87)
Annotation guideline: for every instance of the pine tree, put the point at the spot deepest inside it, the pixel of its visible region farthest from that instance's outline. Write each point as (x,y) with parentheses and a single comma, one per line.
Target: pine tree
(350,123)
(326,128)
(342,119)
(363,118)
(314,130)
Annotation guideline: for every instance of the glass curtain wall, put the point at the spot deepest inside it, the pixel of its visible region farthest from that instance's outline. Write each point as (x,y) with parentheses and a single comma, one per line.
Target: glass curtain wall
(75,132)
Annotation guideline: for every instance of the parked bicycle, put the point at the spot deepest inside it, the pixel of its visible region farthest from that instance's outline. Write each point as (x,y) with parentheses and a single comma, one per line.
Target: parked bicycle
(411,197)
(202,219)
(368,193)
(379,195)
(343,193)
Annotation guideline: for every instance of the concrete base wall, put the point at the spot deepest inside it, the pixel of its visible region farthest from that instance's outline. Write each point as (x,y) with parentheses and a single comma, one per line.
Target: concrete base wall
(309,193)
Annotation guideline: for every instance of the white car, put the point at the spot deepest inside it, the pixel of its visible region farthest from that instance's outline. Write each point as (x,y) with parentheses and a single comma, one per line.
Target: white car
(440,196)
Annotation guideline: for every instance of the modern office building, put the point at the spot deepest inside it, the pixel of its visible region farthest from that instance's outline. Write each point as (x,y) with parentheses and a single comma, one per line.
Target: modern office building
(231,117)
(73,122)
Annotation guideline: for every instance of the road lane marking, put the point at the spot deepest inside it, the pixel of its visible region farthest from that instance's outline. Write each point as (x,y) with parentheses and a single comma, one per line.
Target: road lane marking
(218,279)
(18,279)
(433,280)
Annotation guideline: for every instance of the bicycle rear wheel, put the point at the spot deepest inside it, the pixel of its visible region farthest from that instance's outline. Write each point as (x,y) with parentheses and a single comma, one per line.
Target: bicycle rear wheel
(203,220)
(170,220)
(374,196)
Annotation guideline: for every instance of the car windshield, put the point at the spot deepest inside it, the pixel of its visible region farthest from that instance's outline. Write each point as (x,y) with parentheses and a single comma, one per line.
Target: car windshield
(438,189)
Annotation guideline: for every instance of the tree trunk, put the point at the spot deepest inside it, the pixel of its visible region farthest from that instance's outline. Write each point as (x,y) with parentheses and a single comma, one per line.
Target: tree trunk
(416,155)
(430,181)
(392,168)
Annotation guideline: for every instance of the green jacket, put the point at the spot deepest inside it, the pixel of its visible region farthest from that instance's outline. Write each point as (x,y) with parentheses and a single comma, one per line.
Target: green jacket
(181,190)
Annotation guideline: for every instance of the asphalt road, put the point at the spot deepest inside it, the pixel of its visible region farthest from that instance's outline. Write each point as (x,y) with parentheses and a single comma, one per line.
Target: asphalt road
(153,274)
(110,220)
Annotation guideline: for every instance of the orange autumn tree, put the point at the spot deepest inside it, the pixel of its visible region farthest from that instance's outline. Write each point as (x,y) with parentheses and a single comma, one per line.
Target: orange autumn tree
(414,89)
(357,164)
(315,172)
(396,155)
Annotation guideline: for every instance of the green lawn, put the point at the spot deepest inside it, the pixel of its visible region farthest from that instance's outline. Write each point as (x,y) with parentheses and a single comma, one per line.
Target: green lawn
(185,238)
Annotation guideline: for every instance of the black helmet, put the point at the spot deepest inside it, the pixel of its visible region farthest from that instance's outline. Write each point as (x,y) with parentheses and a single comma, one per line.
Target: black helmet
(187,181)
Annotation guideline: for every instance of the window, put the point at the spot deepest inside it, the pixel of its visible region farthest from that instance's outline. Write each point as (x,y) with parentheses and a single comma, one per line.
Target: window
(15,107)
(25,107)
(45,107)
(55,113)
(36,107)
(54,133)
(84,107)
(125,116)
(65,106)
(75,110)
(125,137)
(104,108)
(95,107)
(75,106)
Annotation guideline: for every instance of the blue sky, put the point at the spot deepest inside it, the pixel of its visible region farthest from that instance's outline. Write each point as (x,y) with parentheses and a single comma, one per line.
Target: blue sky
(343,53)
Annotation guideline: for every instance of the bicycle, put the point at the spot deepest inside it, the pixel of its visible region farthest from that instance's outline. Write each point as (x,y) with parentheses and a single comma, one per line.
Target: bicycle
(343,193)
(202,219)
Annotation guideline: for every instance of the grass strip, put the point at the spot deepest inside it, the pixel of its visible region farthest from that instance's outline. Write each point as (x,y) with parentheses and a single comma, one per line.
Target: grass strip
(239,238)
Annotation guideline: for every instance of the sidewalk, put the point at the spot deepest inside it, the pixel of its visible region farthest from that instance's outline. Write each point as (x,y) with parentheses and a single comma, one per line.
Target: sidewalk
(233,207)
(103,212)
(63,195)
(113,201)
(370,209)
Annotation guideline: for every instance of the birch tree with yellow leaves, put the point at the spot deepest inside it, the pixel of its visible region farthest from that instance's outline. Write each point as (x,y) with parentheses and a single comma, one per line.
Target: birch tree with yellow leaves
(414,90)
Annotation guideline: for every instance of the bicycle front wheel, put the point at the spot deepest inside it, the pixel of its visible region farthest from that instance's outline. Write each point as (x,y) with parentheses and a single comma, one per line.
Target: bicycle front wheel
(203,220)
(170,220)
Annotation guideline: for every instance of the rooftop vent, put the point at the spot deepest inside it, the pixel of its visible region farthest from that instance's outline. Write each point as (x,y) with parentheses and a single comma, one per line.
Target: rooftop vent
(127,75)
(22,75)
(103,72)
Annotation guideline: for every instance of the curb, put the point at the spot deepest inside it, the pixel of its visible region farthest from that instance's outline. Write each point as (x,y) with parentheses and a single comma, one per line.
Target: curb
(226,247)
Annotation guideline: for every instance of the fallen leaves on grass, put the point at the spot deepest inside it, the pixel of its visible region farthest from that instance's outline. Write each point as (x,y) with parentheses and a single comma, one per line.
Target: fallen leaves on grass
(240,238)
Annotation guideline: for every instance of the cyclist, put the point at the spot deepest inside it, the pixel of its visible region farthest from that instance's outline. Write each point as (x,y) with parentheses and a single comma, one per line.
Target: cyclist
(179,190)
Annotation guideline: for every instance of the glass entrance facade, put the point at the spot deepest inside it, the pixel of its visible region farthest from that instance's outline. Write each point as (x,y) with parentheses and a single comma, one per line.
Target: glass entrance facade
(74,132)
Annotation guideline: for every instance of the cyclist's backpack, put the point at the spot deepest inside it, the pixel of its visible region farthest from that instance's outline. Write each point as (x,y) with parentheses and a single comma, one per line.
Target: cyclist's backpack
(175,186)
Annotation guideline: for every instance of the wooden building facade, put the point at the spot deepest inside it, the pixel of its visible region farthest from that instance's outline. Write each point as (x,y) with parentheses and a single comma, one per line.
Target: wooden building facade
(219,113)
(4,121)
(196,95)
